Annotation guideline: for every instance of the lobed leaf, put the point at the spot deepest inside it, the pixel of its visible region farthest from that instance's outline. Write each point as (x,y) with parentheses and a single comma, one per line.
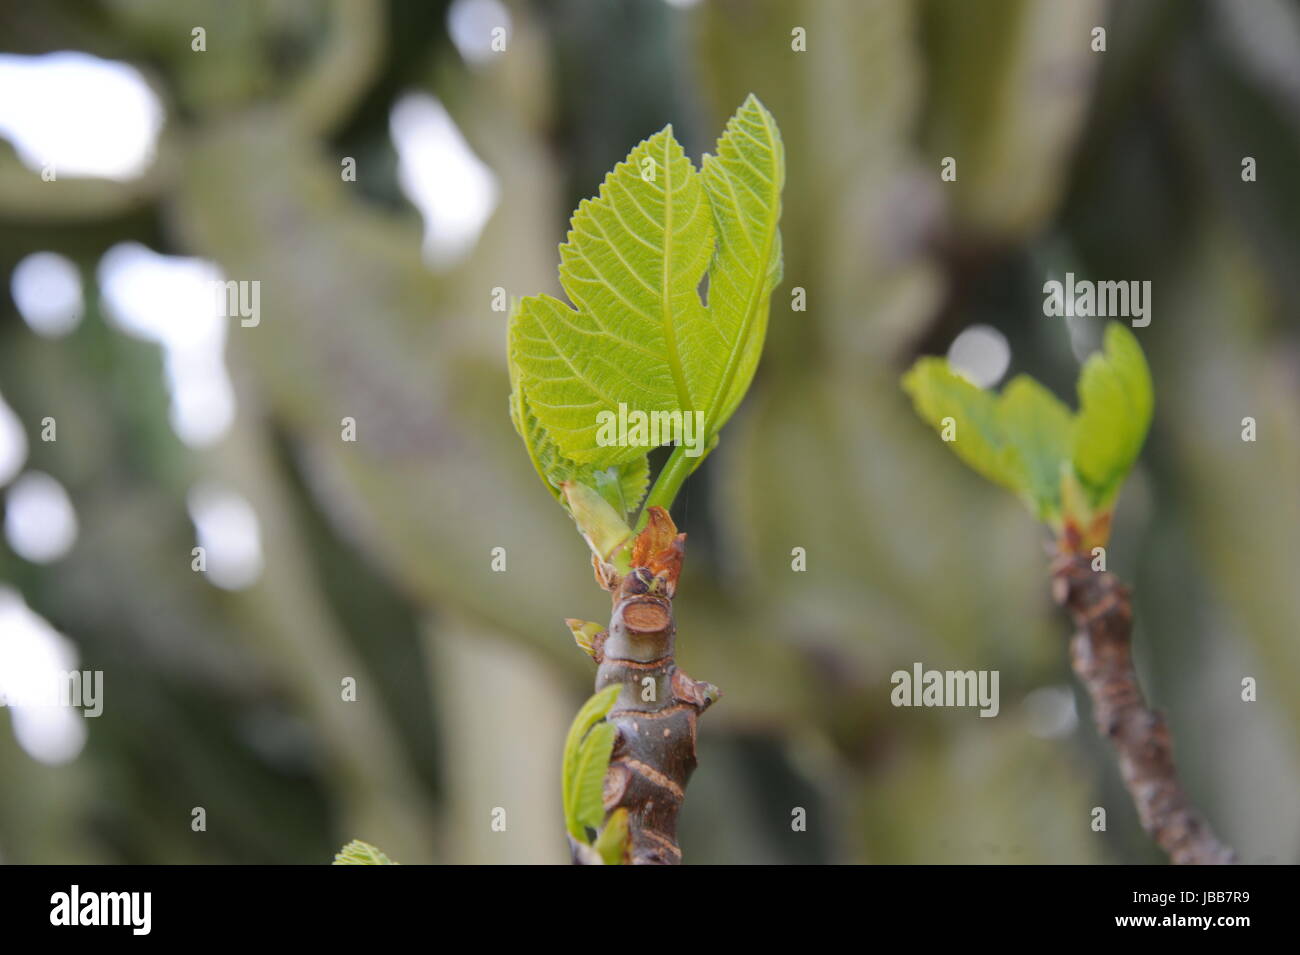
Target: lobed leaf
(940,393)
(631,267)
(635,331)
(743,181)
(1061,464)
(623,485)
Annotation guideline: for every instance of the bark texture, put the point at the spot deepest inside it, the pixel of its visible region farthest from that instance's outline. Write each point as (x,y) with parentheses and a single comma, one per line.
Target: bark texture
(657,709)
(1100,653)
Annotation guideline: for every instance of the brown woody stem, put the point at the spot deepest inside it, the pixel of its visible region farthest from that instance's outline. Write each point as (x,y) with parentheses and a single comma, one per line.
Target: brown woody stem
(656,712)
(1100,653)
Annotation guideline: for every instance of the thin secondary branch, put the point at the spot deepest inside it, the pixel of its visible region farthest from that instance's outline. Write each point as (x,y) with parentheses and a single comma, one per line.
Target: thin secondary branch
(1100,652)
(657,710)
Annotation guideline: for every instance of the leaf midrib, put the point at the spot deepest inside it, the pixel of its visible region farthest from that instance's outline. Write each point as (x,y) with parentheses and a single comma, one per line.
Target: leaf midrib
(669,322)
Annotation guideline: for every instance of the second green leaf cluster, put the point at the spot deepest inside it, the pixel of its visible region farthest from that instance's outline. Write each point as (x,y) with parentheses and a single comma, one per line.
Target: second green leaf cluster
(1067,467)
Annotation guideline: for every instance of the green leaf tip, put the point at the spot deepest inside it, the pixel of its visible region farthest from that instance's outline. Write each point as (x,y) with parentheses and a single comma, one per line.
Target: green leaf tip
(586,760)
(1067,468)
(1116,401)
(611,844)
(585,633)
(636,341)
(601,525)
(357,852)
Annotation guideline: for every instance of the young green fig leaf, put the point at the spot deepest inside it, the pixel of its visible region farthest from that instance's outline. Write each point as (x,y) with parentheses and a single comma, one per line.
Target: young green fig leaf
(1115,407)
(743,181)
(584,634)
(631,267)
(589,781)
(611,844)
(965,415)
(624,485)
(635,336)
(591,714)
(602,527)
(1037,427)
(1068,468)
(357,852)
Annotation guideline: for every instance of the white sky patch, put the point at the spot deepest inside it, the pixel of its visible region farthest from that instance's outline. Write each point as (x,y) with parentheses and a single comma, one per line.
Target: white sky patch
(229,533)
(85,116)
(980,354)
(1051,712)
(682,4)
(471,22)
(46,287)
(453,189)
(13,443)
(32,655)
(40,524)
(174,301)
